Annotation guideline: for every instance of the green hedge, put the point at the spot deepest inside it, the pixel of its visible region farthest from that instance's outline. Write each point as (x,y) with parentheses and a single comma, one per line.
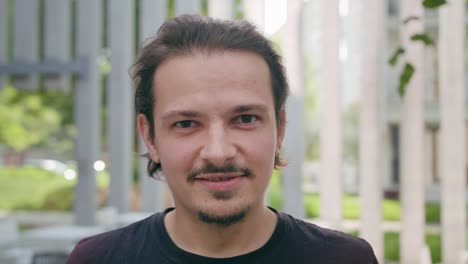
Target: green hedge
(30,188)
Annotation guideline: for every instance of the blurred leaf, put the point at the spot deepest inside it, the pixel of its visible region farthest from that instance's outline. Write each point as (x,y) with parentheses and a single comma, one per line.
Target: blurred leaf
(25,119)
(409,19)
(433,3)
(405,78)
(424,38)
(393,60)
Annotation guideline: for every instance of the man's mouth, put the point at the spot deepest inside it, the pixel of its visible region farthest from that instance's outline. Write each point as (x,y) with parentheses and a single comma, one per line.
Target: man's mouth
(217,179)
(219,174)
(220,181)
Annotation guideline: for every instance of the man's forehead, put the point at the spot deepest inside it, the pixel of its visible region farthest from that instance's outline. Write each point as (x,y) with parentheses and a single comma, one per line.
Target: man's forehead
(238,66)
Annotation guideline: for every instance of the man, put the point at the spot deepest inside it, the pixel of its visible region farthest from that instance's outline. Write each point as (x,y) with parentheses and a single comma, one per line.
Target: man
(210,98)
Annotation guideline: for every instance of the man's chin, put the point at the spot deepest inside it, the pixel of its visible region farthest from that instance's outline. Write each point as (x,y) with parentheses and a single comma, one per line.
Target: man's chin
(223,220)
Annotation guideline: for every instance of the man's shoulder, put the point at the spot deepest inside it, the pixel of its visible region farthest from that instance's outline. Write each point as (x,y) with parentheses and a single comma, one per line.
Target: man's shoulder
(104,247)
(333,244)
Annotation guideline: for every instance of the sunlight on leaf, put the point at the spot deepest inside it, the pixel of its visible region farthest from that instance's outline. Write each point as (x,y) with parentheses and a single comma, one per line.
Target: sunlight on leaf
(394,59)
(433,3)
(405,78)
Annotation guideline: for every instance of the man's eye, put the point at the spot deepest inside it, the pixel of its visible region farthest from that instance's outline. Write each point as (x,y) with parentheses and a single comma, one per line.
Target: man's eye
(246,119)
(185,124)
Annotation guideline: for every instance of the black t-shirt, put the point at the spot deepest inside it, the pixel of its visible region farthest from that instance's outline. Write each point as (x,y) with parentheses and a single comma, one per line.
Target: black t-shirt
(293,241)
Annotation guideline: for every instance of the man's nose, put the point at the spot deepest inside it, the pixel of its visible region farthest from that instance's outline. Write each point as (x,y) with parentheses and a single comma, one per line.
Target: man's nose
(218,147)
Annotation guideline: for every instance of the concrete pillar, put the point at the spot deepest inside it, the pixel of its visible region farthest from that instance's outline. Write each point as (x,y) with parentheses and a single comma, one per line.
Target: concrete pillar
(87,110)
(330,115)
(254,11)
(57,39)
(385,132)
(187,7)
(294,143)
(152,15)
(428,158)
(223,9)
(412,139)
(26,40)
(121,123)
(452,129)
(370,125)
(3,38)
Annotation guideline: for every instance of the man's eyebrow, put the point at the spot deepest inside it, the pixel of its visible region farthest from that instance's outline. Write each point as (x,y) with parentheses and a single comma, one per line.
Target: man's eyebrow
(250,107)
(180,113)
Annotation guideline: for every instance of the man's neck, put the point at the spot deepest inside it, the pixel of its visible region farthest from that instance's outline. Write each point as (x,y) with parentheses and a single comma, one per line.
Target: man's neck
(211,240)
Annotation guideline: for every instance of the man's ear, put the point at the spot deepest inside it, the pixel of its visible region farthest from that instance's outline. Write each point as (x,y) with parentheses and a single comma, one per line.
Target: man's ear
(281,129)
(144,129)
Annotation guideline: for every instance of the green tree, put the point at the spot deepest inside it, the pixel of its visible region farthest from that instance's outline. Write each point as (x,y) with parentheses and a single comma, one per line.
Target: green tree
(25,120)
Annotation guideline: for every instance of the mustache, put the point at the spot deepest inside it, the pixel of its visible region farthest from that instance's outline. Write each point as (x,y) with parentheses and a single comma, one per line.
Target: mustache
(210,168)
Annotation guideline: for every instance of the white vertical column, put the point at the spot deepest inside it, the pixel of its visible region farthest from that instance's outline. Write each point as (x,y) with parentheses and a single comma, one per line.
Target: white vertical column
(384,138)
(57,39)
(452,125)
(428,158)
(152,15)
(412,139)
(88,109)
(223,9)
(187,7)
(331,148)
(294,142)
(254,11)
(370,160)
(120,103)
(26,40)
(3,38)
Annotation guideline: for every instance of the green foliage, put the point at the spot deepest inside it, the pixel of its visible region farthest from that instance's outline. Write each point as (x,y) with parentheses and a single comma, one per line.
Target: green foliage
(423,37)
(311,110)
(28,188)
(405,78)
(433,3)
(394,59)
(25,119)
(351,134)
(432,213)
(60,198)
(408,71)
(312,204)
(391,209)
(392,246)
(275,192)
(238,11)
(434,242)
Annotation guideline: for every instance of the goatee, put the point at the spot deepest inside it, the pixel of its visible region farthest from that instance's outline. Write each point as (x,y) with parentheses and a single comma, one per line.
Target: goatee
(224,221)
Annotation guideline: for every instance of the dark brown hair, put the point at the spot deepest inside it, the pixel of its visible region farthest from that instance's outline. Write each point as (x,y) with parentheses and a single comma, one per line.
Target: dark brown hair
(190,34)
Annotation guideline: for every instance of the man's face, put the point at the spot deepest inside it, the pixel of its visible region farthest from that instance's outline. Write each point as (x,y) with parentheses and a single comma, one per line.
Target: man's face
(215,132)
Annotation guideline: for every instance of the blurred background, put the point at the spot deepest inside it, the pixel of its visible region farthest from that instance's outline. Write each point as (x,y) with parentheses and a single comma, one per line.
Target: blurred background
(376,134)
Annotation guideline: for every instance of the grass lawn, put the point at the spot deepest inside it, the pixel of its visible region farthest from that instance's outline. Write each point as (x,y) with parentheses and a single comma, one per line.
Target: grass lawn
(391,209)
